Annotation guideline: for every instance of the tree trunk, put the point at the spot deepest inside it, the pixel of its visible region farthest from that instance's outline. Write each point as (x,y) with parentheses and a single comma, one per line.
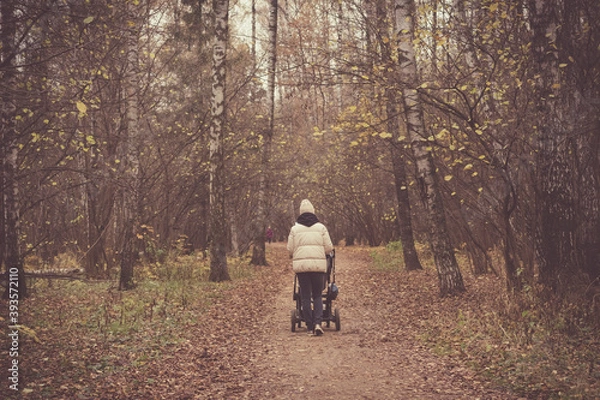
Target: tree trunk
(584,132)
(258,252)
(10,190)
(556,215)
(339,81)
(449,275)
(253,45)
(411,258)
(130,159)
(217,220)
(99,205)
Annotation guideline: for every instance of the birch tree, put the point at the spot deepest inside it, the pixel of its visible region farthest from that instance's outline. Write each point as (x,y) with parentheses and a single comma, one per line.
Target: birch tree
(411,258)
(217,220)
(258,252)
(130,157)
(449,275)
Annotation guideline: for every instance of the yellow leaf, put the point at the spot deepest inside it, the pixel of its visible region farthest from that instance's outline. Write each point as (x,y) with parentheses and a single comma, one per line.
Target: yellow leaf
(442,134)
(448,178)
(82,108)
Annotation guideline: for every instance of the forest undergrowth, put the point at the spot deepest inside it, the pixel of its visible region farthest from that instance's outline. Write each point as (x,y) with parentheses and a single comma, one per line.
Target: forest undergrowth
(177,335)
(88,340)
(540,350)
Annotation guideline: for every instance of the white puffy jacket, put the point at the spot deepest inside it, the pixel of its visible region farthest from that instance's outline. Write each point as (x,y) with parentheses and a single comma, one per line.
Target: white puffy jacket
(308,246)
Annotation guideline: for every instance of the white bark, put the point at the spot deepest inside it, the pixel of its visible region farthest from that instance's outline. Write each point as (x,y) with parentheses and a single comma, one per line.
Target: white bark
(130,157)
(450,278)
(217,220)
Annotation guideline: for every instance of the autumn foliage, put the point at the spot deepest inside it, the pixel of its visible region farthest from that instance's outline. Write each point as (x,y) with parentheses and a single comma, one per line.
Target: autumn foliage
(465,133)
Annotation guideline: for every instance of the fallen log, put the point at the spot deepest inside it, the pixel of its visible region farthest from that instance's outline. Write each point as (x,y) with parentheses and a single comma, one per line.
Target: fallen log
(72,274)
(58,273)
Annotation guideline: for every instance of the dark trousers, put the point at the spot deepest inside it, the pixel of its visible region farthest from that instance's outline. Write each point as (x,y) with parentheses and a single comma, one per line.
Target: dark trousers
(311,289)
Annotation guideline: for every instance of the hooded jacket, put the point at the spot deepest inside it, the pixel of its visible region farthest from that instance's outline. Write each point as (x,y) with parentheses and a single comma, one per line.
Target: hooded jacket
(309,242)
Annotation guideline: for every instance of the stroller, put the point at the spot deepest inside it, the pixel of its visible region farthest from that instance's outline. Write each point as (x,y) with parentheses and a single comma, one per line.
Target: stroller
(329,294)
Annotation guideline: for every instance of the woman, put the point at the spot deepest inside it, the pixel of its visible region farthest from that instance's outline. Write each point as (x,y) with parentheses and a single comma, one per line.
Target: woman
(308,244)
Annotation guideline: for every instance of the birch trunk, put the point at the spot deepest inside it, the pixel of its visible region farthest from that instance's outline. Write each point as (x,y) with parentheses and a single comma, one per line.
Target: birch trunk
(253,46)
(217,220)
(258,252)
(130,158)
(339,80)
(411,258)
(449,275)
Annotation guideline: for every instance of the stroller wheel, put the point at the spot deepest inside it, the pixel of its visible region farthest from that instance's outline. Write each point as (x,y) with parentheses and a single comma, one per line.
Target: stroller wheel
(338,325)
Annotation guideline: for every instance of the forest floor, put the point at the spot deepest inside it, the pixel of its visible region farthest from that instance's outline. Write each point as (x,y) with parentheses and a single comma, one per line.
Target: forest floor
(238,344)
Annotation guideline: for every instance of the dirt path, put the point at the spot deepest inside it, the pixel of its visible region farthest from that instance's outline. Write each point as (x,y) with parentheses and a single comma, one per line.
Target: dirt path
(358,362)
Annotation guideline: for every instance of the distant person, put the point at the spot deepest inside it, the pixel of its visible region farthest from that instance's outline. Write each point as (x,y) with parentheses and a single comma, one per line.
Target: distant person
(269,234)
(308,244)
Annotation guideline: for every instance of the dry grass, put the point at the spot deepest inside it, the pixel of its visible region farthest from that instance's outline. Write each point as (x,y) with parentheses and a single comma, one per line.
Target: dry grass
(536,349)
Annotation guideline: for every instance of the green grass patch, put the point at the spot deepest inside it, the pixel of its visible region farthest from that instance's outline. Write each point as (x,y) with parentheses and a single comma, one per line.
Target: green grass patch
(388,258)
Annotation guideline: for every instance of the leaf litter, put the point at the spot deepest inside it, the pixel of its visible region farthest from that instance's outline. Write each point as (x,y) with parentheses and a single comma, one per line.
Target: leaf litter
(234,340)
